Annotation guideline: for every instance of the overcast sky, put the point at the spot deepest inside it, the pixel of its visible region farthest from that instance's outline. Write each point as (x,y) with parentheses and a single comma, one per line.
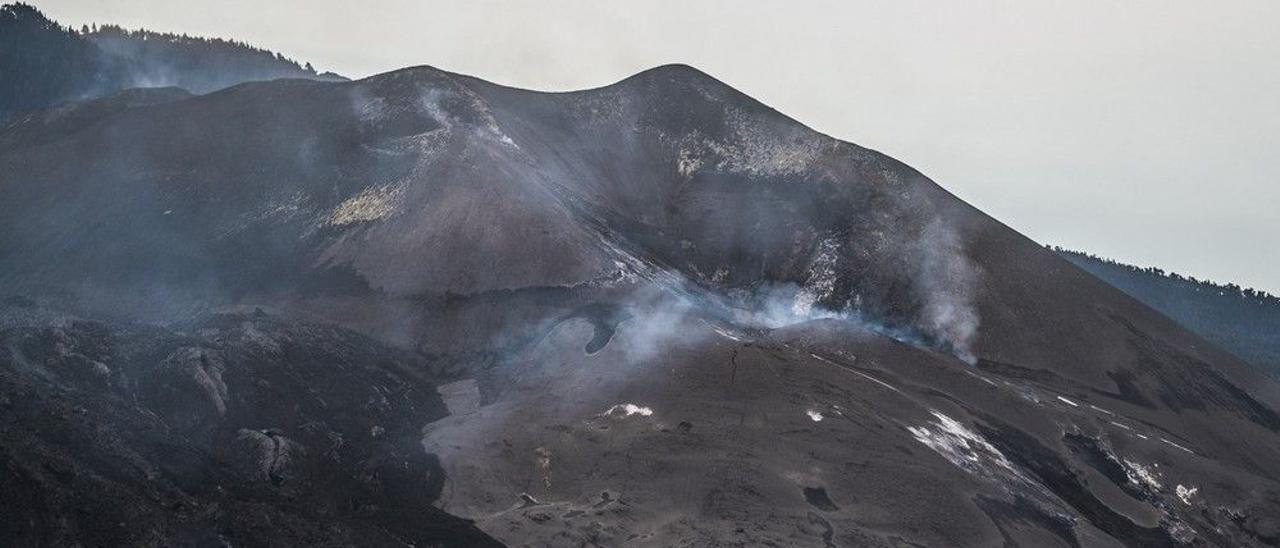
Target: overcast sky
(1142,131)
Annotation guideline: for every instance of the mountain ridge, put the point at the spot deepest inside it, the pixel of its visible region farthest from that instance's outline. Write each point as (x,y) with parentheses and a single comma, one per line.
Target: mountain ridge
(677,314)
(434,73)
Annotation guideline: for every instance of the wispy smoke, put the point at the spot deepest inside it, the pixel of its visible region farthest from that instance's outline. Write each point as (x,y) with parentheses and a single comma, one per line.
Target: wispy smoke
(771,306)
(947,280)
(655,323)
(942,279)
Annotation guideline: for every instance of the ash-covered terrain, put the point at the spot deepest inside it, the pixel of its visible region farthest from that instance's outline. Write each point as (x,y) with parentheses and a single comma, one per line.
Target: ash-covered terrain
(424,309)
(1243,321)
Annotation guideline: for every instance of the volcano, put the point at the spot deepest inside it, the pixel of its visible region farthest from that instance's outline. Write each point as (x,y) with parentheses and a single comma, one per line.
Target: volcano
(421,308)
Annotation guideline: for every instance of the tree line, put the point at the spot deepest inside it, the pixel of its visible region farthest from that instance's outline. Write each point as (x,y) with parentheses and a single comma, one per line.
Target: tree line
(1228,290)
(43,63)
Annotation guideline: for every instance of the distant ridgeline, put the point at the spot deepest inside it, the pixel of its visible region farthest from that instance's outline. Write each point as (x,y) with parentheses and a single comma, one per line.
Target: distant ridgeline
(1244,321)
(43,63)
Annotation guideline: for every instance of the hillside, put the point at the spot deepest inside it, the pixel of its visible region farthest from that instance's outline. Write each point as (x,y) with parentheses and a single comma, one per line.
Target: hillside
(653,313)
(1241,320)
(43,63)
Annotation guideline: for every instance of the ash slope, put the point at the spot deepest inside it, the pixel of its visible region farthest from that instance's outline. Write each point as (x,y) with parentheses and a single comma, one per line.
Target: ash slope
(1245,322)
(679,317)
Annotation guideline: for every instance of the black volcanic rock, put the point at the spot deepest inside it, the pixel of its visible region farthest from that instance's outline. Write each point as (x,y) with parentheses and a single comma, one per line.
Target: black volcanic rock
(670,315)
(244,430)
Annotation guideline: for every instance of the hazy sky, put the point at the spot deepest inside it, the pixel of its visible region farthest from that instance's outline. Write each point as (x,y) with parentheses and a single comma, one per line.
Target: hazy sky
(1143,131)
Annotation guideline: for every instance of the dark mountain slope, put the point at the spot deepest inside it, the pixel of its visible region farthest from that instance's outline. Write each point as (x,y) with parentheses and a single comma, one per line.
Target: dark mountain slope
(38,126)
(1243,321)
(237,430)
(43,64)
(685,318)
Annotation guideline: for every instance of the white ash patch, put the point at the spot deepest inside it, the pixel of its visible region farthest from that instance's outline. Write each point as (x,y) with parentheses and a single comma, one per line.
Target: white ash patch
(725,333)
(753,148)
(1185,493)
(1068,402)
(621,275)
(760,151)
(821,281)
(878,381)
(688,162)
(370,204)
(488,127)
(1100,410)
(632,269)
(781,305)
(1171,443)
(856,372)
(982,378)
(1146,476)
(803,303)
(814,416)
(964,448)
(450,104)
(625,270)
(627,410)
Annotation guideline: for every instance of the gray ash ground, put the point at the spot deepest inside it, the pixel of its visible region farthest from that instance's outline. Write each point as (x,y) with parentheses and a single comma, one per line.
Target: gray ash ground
(422,309)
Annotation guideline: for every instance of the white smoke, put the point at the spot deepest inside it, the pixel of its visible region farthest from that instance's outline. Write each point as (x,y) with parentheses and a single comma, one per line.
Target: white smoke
(947,281)
(655,324)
